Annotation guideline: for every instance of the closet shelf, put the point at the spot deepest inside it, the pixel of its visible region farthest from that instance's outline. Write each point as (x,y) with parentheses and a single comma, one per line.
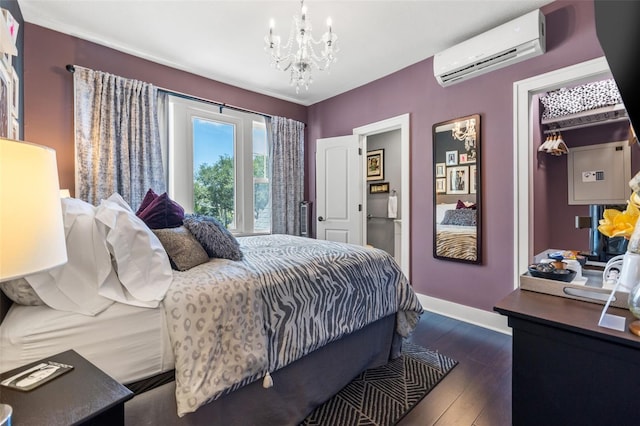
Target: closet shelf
(594,117)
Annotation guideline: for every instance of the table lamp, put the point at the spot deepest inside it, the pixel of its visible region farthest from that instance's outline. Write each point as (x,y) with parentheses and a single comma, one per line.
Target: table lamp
(31,229)
(32,235)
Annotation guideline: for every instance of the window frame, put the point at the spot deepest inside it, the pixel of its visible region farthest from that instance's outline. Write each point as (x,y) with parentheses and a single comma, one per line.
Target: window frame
(180,161)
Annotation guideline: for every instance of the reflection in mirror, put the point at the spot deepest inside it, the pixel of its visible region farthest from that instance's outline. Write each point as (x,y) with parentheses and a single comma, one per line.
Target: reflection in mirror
(456,176)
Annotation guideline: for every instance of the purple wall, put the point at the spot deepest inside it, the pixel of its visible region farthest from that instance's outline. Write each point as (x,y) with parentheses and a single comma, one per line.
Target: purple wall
(571,39)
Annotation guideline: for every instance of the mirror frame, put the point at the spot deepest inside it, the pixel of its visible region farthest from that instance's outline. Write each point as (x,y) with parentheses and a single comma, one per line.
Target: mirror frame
(457,177)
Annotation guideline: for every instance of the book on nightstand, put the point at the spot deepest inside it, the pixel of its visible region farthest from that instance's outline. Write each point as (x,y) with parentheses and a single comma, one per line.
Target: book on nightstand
(36,376)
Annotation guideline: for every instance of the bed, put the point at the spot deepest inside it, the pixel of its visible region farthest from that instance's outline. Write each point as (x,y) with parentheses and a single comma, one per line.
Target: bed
(262,340)
(456,232)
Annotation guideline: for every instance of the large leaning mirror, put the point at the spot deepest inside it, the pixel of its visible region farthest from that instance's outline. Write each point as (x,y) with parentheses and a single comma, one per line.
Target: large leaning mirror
(457,190)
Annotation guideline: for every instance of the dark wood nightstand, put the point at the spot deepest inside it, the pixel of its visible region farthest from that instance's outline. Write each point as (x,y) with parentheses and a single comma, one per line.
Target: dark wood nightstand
(85,395)
(566,369)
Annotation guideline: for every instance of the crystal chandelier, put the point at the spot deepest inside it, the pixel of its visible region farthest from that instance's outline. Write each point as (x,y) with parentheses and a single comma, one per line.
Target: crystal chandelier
(465,131)
(299,55)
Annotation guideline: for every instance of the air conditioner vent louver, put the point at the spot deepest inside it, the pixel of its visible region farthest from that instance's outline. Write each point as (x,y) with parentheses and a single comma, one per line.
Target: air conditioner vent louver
(478,65)
(507,44)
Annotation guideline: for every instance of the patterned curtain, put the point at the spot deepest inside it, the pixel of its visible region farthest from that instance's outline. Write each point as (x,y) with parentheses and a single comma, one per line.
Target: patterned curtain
(117,137)
(286,153)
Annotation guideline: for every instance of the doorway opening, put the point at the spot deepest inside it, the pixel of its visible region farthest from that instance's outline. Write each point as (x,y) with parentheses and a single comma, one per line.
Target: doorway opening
(369,135)
(523,154)
(382,193)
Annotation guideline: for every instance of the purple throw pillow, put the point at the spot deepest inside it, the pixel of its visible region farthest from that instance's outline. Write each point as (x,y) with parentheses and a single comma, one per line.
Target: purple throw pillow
(148,198)
(462,205)
(162,212)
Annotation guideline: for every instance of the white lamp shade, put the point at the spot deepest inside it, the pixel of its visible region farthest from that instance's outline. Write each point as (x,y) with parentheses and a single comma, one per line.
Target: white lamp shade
(31,229)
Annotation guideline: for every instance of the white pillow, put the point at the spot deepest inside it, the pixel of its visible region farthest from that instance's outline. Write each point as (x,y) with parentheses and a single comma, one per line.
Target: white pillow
(74,286)
(441,209)
(141,262)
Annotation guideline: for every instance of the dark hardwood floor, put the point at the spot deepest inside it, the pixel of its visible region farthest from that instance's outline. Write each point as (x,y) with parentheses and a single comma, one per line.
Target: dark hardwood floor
(477,392)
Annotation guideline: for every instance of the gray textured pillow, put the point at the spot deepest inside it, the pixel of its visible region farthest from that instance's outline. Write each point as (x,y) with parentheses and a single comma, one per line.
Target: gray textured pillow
(183,249)
(461,217)
(214,237)
(21,292)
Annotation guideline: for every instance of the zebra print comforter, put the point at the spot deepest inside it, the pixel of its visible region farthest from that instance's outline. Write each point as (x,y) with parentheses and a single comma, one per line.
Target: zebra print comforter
(231,323)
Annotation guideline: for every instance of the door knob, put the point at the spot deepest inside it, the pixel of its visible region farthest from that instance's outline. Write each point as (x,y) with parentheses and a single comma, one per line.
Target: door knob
(320,219)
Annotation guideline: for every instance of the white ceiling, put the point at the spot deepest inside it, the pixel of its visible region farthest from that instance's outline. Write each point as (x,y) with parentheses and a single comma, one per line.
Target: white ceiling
(223,40)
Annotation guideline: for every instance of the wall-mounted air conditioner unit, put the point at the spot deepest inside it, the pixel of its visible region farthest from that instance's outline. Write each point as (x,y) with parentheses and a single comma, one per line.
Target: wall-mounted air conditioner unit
(507,44)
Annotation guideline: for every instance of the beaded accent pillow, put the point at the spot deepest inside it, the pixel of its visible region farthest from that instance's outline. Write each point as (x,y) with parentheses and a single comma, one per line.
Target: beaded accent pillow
(183,249)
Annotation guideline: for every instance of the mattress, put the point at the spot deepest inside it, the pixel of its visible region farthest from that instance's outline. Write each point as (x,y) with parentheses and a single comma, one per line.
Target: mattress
(30,333)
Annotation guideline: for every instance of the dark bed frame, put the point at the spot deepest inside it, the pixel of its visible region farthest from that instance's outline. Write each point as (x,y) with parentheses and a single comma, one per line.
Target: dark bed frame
(298,388)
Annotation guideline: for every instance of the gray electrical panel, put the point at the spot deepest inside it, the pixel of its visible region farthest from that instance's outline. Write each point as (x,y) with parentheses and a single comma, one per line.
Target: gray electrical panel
(599,174)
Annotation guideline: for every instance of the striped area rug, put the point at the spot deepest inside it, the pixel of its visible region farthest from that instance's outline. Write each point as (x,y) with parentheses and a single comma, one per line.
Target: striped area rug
(382,396)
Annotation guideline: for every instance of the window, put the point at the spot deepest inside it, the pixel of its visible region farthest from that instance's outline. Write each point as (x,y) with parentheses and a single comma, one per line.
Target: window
(261,186)
(214,183)
(218,164)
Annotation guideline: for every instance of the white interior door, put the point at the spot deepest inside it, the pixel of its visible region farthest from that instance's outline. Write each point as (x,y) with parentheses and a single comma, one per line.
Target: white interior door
(339,186)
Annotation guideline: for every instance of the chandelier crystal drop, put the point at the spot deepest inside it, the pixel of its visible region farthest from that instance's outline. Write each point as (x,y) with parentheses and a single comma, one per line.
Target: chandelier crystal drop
(299,55)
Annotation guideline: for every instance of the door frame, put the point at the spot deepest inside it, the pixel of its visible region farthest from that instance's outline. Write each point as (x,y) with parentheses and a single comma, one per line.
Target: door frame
(524,152)
(402,123)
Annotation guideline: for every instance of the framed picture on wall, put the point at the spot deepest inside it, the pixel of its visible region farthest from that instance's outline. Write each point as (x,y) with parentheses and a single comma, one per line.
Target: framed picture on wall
(378,188)
(375,165)
(441,185)
(473,180)
(15,94)
(13,26)
(6,95)
(458,180)
(467,158)
(451,158)
(441,170)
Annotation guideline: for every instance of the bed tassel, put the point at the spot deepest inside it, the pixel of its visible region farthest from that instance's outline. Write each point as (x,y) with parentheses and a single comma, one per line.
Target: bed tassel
(267,382)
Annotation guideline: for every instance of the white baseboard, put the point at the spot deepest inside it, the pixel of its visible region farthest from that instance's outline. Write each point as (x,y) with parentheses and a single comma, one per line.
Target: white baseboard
(490,320)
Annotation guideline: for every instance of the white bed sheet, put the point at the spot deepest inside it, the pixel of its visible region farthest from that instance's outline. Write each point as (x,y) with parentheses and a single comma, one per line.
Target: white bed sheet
(128,343)
(458,229)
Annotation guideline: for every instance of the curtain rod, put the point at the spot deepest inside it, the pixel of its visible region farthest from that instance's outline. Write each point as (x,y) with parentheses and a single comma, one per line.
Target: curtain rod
(72,69)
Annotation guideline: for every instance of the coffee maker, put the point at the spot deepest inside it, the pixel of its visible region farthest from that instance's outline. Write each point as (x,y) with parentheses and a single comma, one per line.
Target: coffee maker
(601,247)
